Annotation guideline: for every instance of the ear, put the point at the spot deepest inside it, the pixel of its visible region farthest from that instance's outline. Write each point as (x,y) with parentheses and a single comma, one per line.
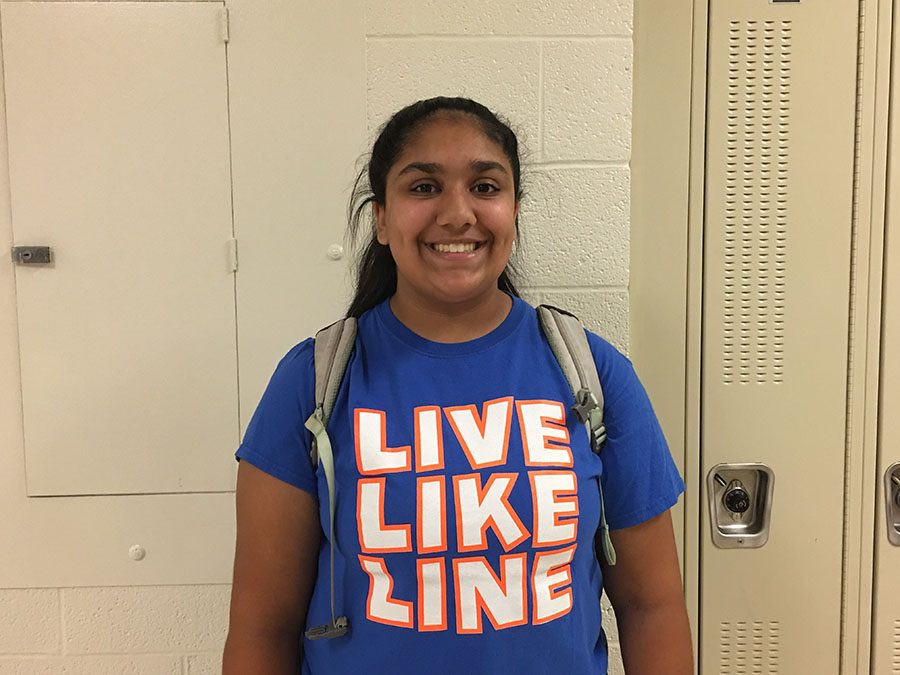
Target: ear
(380,224)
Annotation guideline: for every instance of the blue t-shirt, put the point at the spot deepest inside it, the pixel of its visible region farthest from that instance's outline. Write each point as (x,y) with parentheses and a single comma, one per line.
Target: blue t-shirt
(466,497)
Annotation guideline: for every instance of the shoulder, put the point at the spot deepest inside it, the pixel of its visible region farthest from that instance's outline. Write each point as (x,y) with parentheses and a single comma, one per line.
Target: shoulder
(616,371)
(299,359)
(275,440)
(293,376)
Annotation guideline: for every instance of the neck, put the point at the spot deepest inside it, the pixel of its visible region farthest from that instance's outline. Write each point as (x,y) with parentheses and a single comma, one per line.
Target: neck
(452,322)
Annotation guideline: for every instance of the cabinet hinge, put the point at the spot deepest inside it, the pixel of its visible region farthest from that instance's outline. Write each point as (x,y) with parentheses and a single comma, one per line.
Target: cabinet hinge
(225,25)
(232,255)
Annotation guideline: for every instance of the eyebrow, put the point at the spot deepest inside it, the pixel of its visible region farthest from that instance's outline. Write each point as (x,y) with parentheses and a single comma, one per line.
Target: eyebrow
(479,166)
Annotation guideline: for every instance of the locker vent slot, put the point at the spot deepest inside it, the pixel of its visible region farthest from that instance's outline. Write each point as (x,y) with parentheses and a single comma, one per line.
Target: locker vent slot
(756,201)
(748,647)
(895,661)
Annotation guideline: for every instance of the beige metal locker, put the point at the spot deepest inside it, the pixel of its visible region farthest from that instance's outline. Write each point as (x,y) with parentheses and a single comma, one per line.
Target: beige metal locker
(780,285)
(779,193)
(119,163)
(886,582)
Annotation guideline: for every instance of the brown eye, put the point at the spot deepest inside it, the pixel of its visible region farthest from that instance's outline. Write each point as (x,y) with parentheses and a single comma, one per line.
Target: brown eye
(485,188)
(424,188)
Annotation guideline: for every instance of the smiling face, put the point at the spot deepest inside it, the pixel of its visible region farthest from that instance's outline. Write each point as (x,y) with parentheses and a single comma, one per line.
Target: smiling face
(449,215)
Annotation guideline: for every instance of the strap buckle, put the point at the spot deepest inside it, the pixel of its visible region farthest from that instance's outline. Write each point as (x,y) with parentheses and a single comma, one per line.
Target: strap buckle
(319,415)
(588,411)
(598,430)
(334,628)
(585,402)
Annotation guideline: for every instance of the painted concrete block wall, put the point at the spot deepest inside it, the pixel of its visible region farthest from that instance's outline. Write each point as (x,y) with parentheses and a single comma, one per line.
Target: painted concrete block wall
(141,630)
(560,71)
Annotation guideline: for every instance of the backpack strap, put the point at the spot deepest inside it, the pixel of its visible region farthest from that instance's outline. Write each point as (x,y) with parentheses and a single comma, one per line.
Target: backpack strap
(565,333)
(333,347)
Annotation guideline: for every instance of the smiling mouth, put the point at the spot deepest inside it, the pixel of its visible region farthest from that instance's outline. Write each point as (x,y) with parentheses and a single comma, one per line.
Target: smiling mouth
(467,247)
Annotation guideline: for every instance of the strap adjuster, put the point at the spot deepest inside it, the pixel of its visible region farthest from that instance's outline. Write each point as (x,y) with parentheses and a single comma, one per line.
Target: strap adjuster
(588,411)
(334,628)
(585,402)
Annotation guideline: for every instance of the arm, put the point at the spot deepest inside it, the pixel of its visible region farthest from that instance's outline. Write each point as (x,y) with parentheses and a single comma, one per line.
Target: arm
(275,560)
(644,587)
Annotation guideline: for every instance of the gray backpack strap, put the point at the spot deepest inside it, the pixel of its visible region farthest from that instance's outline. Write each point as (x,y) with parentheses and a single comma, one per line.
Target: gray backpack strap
(569,344)
(565,333)
(334,345)
(332,352)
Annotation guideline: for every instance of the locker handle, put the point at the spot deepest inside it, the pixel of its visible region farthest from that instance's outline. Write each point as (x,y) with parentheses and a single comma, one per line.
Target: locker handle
(892,502)
(740,504)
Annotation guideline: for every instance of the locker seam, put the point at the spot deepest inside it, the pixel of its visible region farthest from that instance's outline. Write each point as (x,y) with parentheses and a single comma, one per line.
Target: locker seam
(882,330)
(701,364)
(851,324)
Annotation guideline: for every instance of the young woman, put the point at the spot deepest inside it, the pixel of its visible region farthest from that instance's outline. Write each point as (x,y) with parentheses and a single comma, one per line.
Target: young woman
(466,493)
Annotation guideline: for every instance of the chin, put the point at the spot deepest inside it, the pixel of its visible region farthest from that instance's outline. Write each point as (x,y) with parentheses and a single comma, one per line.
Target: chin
(461,295)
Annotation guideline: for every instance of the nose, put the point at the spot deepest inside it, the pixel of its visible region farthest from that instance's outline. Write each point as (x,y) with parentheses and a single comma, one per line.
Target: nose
(456,208)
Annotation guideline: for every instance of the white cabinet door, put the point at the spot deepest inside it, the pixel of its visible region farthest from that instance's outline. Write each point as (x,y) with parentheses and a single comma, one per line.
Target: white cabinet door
(124,123)
(117,117)
(298,115)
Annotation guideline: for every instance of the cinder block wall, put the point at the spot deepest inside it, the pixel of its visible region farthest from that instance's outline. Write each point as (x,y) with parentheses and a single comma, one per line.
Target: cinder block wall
(560,70)
(152,630)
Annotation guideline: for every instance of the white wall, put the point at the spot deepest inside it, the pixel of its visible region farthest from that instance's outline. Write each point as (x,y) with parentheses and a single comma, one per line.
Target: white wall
(560,70)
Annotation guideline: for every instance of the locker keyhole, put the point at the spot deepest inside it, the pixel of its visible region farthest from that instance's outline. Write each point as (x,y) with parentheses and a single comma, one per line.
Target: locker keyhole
(735,499)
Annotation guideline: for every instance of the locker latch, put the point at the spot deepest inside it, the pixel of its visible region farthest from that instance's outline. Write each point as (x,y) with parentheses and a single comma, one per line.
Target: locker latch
(32,255)
(892,502)
(740,504)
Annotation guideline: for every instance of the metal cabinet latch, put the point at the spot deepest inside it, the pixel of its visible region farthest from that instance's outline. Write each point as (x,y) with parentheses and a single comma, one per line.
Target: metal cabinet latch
(32,255)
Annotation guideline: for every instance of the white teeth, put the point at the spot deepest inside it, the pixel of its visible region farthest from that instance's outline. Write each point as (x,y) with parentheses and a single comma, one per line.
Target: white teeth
(454,248)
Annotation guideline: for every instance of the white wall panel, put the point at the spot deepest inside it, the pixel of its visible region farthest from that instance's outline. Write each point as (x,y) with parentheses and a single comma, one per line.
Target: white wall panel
(118,152)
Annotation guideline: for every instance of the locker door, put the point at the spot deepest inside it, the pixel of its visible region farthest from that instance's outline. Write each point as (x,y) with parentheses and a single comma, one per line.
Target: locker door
(119,161)
(886,582)
(780,145)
